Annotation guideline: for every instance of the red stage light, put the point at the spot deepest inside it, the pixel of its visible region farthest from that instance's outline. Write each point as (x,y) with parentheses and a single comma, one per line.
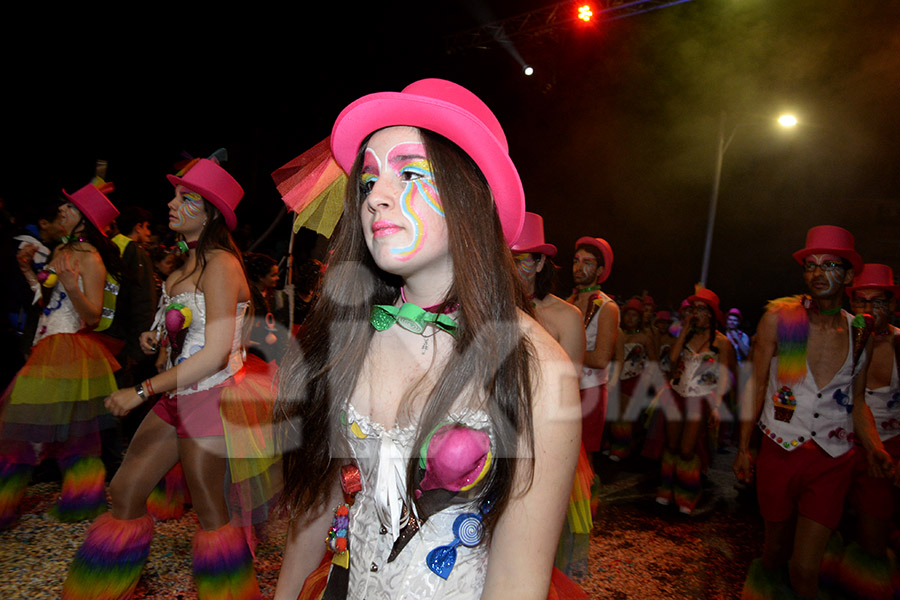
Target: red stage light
(585,13)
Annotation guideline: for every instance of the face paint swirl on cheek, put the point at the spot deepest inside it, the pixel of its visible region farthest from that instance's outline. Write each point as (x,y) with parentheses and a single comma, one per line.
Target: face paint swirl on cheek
(190,208)
(526,267)
(422,187)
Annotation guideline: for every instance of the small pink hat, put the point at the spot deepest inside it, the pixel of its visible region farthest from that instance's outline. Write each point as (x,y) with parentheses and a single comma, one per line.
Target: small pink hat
(829,239)
(532,237)
(875,277)
(605,251)
(663,315)
(452,111)
(215,184)
(633,304)
(94,205)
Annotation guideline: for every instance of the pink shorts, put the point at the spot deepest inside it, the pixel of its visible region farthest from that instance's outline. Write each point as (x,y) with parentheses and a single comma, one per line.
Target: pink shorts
(806,480)
(875,496)
(593,416)
(193,415)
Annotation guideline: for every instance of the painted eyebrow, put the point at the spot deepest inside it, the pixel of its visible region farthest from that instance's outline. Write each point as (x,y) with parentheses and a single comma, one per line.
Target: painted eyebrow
(405,158)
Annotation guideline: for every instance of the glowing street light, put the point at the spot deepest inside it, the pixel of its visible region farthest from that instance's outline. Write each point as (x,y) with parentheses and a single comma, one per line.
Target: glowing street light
(528,70)
(786,121)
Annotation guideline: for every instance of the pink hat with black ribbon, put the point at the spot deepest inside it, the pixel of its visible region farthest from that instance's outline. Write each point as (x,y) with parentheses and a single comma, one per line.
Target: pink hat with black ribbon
(875,277)
(213,183)
(605,251)
(94,205)
(452,111)
(830,239)
(532,237)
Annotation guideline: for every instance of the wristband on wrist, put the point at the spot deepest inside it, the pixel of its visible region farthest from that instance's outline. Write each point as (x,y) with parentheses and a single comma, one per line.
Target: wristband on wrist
(150,387)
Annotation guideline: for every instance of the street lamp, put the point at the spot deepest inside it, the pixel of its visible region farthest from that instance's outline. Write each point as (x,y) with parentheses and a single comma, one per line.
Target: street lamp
(785,120)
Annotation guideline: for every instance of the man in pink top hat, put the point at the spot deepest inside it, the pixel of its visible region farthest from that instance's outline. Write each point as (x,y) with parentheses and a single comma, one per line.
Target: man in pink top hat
(810,362)
(865,564)
(591,267)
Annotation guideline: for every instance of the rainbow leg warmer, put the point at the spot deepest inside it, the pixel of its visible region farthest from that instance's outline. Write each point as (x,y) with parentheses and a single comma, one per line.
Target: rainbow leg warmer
(865,575)
(108,564)
(766,584)
(687,483)
(664,492)
(223,565)
(621,434)
(83,494)
(168,498)
(14,480)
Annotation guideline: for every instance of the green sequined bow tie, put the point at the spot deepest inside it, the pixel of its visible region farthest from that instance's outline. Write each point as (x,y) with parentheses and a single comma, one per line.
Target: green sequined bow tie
(410,317)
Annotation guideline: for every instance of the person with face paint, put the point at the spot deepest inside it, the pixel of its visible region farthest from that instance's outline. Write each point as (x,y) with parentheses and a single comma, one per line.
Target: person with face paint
(434,411)
(54,409)
(703,372)
(591,267)
(810,360)
(207,385)
(866,566)
(534,262)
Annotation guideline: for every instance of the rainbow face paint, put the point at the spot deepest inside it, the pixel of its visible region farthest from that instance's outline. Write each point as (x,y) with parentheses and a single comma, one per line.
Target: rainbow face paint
(191,207)
(526,266)
(412,176)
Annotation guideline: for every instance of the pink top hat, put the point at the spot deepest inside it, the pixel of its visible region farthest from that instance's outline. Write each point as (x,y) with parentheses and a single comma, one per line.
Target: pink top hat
(829,239)
(215,184)
(708,297)
(452,111)
(875,277)
(664,316)
(605,251)
(633,304)
(532,237)
(94,205)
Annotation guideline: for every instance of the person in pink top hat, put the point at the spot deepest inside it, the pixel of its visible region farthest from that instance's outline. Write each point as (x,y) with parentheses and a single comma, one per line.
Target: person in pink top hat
(54,407)
(866,565)
(703,371)
(534,261)
(199,324)
(426,403)
(810,360)
(591,267)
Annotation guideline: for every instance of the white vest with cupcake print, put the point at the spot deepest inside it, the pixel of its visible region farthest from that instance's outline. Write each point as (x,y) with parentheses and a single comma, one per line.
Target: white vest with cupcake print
(795,414)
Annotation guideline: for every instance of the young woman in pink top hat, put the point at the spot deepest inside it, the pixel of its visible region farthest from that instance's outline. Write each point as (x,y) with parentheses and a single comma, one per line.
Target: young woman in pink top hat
(54,406)
(199,322)
(426,404)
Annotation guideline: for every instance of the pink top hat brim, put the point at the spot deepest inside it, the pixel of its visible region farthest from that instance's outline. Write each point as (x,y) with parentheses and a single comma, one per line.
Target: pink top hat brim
(94,205)
(829,239)
(449,110)
(531,239)
(605,251)
(216,185)
(875,277)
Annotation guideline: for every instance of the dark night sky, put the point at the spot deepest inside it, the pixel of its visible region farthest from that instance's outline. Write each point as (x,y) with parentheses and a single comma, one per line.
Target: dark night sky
(614,136)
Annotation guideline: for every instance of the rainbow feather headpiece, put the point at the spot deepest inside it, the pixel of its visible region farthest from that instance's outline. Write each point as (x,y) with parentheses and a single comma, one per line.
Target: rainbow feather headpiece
(793,332)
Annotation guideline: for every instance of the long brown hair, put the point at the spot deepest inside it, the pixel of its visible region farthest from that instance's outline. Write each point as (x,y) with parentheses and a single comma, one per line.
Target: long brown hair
(214,236)
(321,373)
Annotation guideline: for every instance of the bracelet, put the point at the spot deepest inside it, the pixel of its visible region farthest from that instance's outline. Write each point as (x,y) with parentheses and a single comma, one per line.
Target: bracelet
(149,387)
(139,388)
